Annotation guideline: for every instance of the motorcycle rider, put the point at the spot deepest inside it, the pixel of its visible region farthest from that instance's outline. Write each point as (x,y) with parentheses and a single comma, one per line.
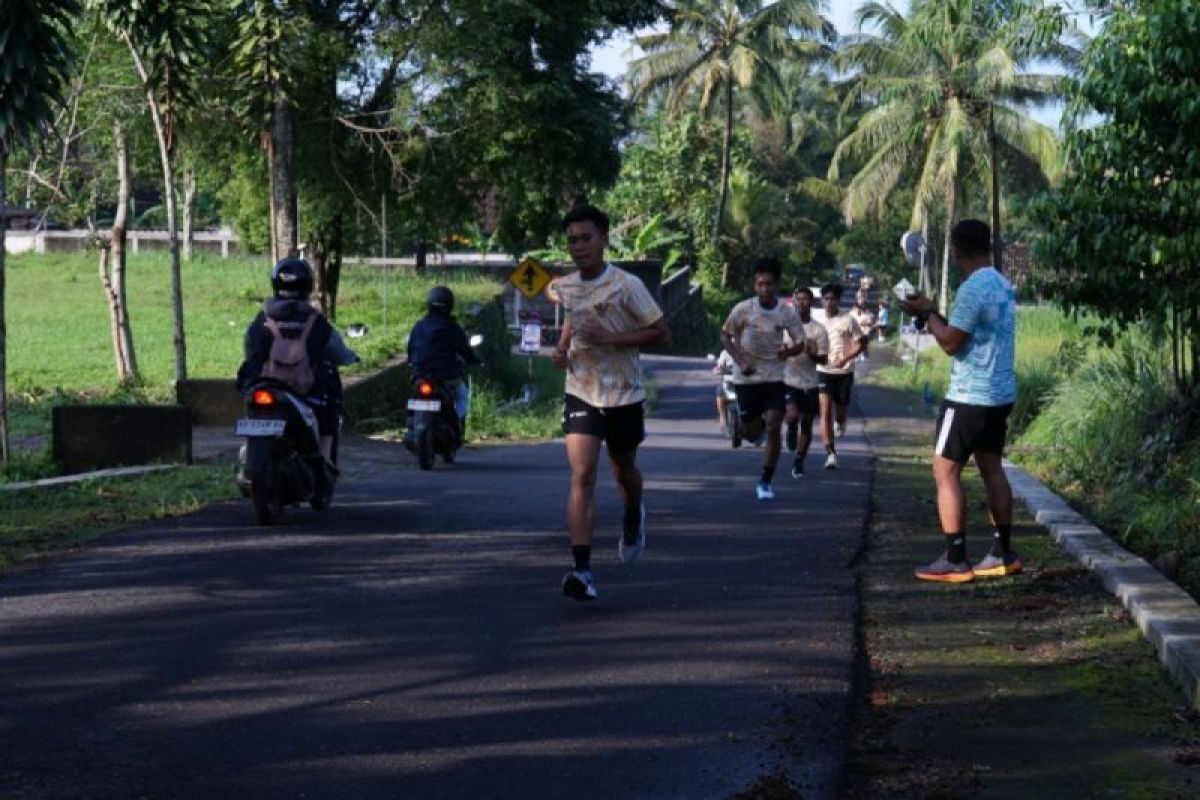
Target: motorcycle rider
(289,312)
(438,349)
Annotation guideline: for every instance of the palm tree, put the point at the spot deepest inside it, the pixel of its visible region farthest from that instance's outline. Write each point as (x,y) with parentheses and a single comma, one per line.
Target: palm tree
(946,85)
(35,63)
(717,47)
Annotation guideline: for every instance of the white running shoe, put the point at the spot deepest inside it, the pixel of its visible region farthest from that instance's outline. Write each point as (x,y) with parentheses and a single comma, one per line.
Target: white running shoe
(628,553)
(764,491)
(580,585)
(831,461)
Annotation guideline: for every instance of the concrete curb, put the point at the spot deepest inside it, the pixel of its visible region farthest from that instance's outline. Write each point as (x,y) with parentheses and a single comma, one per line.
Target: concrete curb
(1167,615)
(115,472)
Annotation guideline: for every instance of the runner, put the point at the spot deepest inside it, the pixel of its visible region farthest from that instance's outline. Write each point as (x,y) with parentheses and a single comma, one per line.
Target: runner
(800,381)
(882,320)
(865,318)
(836,376)
(973,419)
(610,314)
(753,335)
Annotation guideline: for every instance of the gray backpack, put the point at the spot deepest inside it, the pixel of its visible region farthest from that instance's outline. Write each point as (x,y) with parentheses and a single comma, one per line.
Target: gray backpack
(288,361)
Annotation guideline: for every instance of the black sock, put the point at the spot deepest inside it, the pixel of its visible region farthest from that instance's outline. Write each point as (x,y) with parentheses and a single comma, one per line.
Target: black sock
(792,434)
(768,473)
(956,548)
(583,557)
(1001,541)
(632,523)
(830,448)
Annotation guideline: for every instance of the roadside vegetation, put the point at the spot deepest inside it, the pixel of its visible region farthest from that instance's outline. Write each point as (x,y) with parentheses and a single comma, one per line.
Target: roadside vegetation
(43,521)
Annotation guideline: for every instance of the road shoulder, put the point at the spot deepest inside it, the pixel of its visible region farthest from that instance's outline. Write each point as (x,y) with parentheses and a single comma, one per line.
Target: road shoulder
(1037,685)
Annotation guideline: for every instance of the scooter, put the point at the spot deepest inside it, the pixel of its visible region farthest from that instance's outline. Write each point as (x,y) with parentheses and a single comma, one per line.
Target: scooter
(281,463)
(733,427)
(434,427)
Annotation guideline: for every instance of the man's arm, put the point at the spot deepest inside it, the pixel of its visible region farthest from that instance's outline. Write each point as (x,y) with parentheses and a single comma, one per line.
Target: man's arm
(948,337)
(559,357)
(655,334)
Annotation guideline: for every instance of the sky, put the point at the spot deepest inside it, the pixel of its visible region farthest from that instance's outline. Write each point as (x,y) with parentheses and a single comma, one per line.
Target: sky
(611,57)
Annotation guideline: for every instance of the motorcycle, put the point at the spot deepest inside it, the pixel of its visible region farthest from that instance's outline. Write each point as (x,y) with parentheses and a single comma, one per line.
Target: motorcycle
(281,463)
(733,427)
(434,427)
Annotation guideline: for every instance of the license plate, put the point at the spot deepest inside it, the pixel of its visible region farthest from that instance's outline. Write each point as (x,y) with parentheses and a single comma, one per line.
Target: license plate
(260,427)
(424,405)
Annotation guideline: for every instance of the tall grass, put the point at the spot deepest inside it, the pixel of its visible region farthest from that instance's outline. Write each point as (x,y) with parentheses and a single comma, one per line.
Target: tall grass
(1117,438)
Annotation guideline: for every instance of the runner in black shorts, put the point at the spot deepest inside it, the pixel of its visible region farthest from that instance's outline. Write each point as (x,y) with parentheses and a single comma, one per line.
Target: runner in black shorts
(801,379)
(754,336)
(610,314)
(846,341)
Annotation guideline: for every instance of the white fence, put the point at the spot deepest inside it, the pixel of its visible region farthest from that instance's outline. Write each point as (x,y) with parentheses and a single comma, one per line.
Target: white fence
(223,241)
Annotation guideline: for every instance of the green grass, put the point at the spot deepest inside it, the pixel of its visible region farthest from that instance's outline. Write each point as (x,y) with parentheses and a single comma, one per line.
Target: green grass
(39,521)
(59,346)
(58,324)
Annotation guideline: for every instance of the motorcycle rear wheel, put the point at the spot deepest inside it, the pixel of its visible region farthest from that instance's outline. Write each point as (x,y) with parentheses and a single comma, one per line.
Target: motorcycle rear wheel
(267,509)
(425,448)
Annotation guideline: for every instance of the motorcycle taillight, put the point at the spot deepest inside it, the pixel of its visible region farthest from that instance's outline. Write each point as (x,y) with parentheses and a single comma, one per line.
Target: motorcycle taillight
(425,389)
(262,397)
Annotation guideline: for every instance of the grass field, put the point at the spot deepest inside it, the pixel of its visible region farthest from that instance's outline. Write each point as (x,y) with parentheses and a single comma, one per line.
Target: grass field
(58,328)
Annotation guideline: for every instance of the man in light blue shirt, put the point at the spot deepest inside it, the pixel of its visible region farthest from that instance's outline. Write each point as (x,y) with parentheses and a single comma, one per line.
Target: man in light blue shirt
(980,336)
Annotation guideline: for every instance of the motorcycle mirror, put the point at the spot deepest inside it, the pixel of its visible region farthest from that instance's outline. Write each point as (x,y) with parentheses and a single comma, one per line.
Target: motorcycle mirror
(357,330)
(476,340)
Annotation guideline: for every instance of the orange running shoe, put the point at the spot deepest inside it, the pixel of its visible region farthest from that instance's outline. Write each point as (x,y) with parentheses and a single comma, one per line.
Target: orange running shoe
(944,571)
(998,566)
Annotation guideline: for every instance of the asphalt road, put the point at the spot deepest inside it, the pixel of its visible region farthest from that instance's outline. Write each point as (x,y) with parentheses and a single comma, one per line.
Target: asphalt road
(413,642)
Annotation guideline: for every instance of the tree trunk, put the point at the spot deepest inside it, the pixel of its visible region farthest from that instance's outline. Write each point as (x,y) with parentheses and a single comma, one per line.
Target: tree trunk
(726,147)
(334,267)
(112,268)
(3,327)
(944,294)
(924,278)
(285,236)
(189,212)
(166,151)
(994,157)
(422,256)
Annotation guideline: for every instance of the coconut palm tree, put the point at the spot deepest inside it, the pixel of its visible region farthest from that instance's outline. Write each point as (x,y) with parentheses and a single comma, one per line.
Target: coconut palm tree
(35,64)
(946,86)
(716,48)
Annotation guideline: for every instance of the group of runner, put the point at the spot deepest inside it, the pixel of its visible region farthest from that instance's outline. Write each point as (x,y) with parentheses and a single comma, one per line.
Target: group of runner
(788,370)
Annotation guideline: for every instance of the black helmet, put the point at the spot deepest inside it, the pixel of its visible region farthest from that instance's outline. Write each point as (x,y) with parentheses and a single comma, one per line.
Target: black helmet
(292,279)
(440,300)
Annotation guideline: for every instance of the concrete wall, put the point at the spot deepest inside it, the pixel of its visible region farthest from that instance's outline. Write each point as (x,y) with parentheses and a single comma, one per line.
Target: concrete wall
(86,438)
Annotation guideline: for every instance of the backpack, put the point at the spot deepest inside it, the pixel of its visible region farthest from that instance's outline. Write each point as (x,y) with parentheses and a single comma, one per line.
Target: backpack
(288,360)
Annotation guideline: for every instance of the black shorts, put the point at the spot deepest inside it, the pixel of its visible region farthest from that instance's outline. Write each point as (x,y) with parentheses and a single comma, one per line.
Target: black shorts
(622,428)
(963,429)
(807,400)
(755,399)
(836,386)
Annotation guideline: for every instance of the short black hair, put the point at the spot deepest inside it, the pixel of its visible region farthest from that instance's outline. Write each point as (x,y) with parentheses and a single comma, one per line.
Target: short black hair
(971,237)
(803,290)
(834,289)
(586,213)
(770,266)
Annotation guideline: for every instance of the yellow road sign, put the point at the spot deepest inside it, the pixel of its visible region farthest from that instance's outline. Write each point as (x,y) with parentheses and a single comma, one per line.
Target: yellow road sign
(530,277)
